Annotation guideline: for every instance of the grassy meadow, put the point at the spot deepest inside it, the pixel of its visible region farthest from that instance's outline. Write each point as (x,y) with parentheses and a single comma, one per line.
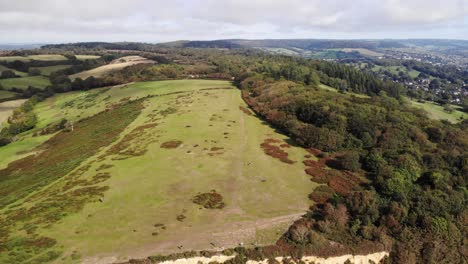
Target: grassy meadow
(43,57)
(128,180)
(25,82)
(436,111)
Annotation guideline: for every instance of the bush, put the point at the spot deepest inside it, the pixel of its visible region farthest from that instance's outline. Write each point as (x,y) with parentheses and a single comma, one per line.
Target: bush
(350,161)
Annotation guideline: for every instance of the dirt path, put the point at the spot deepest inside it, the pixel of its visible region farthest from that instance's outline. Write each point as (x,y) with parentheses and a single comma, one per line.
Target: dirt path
(229,235)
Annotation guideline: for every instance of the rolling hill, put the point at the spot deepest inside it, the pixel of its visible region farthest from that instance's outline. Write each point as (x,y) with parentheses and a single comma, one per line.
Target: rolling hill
(164,144)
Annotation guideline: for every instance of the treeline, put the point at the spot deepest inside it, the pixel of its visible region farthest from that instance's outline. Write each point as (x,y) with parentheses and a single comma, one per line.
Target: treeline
(415,168)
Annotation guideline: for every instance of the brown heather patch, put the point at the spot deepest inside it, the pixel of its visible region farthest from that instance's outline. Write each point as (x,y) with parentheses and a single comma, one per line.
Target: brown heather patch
(211,200)
(245,110)
(104,167)
(275,151)
(171,144)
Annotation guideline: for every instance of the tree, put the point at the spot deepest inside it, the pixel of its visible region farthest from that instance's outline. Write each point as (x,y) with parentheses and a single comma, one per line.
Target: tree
(34,72)
(350,161)
(8,74)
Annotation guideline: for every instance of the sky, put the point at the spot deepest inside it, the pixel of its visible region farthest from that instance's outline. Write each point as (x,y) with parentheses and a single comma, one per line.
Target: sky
(63,21)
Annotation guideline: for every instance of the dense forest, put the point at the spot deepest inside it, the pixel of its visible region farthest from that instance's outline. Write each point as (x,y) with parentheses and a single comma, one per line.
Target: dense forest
(402,175)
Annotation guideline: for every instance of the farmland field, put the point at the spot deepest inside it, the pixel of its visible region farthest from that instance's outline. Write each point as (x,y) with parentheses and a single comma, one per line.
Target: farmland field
(87,57)
(113,66)
(44,57)
(25,82)
(46,71)
(188,137)
(3,68)
(5,95)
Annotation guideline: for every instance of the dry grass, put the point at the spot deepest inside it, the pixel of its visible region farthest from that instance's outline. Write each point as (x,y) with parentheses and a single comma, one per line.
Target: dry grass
(111,67)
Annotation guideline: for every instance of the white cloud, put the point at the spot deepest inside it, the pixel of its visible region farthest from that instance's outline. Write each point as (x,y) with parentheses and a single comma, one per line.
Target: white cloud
(158,20)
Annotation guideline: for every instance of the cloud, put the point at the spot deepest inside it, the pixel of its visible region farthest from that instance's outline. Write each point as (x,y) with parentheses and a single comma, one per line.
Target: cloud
(158,20)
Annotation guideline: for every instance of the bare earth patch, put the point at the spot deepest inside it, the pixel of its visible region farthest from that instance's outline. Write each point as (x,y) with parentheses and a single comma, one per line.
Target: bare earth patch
(171,144)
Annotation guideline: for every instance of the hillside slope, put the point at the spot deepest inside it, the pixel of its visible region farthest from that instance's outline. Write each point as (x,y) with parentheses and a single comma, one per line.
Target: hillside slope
(179,140)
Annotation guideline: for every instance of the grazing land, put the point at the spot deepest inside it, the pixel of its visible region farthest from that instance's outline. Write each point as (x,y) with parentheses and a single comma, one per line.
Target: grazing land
(111,67)
(46,71)
(87,57)
(44,57)
(3,68)
(148,196)
(438,112)
(25,82)
(6,95)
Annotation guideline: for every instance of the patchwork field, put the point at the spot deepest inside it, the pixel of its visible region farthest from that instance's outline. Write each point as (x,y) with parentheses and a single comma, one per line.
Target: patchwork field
(113,66)
(46,71)
(6,95)
(25,82)
(44,57)
(3,68)
(169,167)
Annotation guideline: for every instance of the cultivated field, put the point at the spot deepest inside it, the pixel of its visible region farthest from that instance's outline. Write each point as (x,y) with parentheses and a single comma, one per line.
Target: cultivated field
(25,82)
(113,66)
(141,170)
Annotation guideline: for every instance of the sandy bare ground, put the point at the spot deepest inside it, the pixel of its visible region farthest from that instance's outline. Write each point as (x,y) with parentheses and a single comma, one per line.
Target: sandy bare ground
(115,65)
(356,259)
(208,238)
(6,109)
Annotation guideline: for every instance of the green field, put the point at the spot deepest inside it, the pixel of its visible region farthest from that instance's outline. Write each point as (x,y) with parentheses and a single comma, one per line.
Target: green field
(396,69)
(44,57)
(46,71)
(436,111)
(25,82)
(3,68)
(147,190)
(4,95)
(87,57)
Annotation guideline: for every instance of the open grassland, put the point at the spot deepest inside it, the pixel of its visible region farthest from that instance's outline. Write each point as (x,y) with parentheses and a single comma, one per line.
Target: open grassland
(3,68)
(436,111)
(189,137)
(44,57)
(25,82)
(46,71)
(111,67)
